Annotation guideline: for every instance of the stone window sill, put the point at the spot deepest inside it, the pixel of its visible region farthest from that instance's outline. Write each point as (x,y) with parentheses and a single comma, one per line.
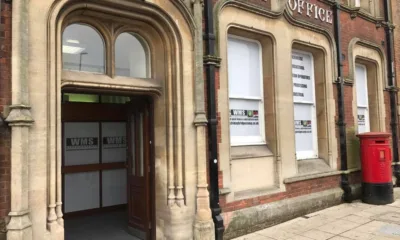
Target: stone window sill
(252,193)
(252,151)
(311,169)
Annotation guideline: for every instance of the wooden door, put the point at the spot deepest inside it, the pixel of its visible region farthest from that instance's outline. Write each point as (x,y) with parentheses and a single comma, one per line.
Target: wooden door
(139,202)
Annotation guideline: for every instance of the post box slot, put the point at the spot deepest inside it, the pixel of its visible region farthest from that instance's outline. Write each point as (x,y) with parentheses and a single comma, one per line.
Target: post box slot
(380,141)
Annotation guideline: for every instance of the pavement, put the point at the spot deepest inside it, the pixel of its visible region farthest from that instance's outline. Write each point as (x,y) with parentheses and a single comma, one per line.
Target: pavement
(348,221)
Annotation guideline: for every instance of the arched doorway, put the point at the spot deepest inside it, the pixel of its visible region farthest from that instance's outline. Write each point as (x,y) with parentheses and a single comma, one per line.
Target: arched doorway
(107,139)
(165,46)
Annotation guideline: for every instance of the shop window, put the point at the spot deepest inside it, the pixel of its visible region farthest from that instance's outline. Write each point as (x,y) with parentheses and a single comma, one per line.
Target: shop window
(362,98)
(304,104)
(245,92)
(83,49)
(131,56)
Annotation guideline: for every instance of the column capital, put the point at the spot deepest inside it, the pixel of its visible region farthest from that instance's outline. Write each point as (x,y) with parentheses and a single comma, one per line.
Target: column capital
(19,115)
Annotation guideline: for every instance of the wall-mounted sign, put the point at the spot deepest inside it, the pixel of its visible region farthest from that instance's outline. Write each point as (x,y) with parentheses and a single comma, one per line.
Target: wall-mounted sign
(114,142)
(312,10)
(81,143)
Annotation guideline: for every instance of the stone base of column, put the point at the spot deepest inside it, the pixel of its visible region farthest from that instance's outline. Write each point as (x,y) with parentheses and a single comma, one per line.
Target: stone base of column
(19,227)
(178,223)
(204,230)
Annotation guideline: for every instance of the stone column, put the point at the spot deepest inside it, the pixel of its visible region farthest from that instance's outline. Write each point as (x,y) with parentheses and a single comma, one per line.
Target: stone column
(203,225)
(19,227)
(19,119)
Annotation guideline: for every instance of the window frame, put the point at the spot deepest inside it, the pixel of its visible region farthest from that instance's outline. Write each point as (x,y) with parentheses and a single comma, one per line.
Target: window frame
(104,45)
(315,153)
(248,140)
(109,35)
(146,48)
(364,107)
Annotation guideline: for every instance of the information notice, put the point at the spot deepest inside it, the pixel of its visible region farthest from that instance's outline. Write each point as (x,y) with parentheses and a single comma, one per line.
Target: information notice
(302,126)
(244,117)
(303,101)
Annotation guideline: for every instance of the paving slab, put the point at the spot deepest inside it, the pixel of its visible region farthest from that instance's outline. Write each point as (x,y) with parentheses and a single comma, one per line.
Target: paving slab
(353,221)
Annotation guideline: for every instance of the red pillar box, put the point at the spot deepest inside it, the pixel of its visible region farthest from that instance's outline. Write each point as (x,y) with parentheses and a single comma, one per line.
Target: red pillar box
(376,167)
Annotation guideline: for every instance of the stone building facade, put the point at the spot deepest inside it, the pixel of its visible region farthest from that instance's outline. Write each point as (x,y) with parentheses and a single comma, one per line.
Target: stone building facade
(94,91)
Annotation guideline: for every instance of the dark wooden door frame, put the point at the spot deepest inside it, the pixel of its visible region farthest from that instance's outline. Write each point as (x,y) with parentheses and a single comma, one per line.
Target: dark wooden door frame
(104,116)
(150,167)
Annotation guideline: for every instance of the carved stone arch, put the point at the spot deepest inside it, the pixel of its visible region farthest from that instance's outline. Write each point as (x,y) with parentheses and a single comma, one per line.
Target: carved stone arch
(379,49)
(276,7)
(373,58)
(145,38)
(177,43)
(221,5)
(282,10)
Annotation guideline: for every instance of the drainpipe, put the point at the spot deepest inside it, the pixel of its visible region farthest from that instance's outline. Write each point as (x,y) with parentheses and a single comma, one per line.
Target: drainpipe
(392,89)
(344,178)
(209,64)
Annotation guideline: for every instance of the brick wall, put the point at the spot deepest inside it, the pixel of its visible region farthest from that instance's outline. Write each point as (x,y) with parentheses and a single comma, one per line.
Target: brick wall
(5,99)
(292,190)
(396,20)
(351,28)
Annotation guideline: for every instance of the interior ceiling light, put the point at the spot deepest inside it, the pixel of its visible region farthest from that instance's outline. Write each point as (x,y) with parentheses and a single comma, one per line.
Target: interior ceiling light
(72,49)
(72,41)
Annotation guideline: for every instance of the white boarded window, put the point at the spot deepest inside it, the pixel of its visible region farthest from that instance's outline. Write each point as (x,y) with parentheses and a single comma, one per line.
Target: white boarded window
(305,121)
(362,99)
(245,92)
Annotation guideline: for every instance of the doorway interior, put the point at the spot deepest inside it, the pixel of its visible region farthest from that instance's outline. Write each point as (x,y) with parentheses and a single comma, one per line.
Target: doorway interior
(107,162)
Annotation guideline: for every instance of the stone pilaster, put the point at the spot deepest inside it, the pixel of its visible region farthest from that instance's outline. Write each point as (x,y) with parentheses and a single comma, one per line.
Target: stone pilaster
(203,225)
(19,227)
(19,119)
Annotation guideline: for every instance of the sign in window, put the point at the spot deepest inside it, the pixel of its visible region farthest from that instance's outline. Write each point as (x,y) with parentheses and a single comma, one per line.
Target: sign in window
(362,99)
(305,124)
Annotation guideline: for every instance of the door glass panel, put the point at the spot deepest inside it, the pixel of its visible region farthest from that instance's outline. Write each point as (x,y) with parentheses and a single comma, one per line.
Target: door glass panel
(141,144)
(114,187)
(133,145)
(113,142)
(81,143)
(81,191)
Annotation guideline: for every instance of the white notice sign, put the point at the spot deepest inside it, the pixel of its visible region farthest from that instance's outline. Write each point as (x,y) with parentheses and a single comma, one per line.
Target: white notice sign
(244,120)
(304,105)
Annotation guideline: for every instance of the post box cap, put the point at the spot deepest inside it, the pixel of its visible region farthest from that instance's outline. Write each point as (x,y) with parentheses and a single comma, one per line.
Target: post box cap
(374,135)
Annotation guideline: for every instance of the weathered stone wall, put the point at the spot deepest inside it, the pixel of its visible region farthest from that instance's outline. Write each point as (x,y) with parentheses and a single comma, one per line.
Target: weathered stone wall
(5,100)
